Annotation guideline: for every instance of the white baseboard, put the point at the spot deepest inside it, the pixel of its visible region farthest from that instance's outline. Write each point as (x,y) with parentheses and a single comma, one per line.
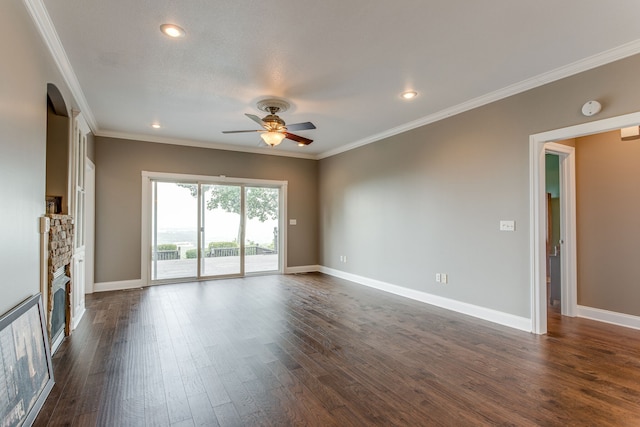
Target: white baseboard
(620,319)
(139,283)
(56,342)
(505,319)
(78,317)
(302,269)
(118,286)
(501,318)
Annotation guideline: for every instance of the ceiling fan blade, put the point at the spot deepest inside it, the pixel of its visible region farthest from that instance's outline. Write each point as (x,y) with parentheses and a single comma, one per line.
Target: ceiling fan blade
(242,131)
(301,126)
(255,118)
(297,138)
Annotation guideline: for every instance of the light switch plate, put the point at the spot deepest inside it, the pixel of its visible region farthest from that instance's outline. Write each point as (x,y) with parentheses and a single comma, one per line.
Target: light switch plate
(506,225)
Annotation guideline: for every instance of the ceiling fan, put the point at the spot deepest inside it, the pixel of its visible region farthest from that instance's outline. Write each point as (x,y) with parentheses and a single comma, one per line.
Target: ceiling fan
(275,129)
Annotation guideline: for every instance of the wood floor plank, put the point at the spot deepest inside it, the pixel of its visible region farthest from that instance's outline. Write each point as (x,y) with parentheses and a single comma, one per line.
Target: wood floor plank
(268,403)
(311,349)
(176,399)
(202,411)
(155,416)
(241,398)
(213,386)
(227,415)
(301,394)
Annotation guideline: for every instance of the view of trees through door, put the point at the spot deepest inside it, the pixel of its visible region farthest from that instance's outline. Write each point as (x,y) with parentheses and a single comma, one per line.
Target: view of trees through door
(202,230)
(262,216)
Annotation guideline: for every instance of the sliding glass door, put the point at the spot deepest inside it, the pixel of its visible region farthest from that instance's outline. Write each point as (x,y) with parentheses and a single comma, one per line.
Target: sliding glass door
(262,218)
(213,229)
(221,230)
(175,231)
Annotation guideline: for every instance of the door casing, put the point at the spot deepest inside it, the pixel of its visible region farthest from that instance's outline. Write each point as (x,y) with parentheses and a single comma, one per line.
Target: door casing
(539,145)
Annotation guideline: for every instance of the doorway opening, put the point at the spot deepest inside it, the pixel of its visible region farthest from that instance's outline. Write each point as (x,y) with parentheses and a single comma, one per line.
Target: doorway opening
(554,241)
(540,145)
(211,227)
(560,228)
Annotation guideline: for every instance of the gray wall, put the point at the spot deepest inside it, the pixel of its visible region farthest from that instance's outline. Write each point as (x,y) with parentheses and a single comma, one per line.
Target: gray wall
(91,147)
(402,209)
(119,164)
(430,200)
(26,69)
(608,229)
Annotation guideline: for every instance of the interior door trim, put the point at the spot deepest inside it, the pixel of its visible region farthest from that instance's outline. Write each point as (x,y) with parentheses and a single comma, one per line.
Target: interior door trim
(537,149)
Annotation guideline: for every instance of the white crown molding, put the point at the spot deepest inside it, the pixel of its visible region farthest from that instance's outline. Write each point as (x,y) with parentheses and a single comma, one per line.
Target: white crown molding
(594,61)
(41,19)
(202,144)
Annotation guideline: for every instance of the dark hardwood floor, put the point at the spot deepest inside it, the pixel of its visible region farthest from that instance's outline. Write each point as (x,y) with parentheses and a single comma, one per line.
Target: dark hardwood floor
(315,350)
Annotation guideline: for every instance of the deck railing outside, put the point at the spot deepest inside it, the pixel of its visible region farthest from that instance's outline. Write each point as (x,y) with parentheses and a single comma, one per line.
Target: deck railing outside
(216,252)
(166,255)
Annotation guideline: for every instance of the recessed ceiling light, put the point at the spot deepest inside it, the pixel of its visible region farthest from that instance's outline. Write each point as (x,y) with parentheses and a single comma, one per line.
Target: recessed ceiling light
(155,125)
(410,94)
(172,30)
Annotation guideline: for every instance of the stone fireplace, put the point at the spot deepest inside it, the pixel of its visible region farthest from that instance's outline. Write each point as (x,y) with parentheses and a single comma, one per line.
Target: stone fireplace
(59,279)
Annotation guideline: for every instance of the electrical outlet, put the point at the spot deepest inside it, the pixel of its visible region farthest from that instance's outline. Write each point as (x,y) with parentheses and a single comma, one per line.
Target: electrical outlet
(444,278)
(345,259)
(438,277)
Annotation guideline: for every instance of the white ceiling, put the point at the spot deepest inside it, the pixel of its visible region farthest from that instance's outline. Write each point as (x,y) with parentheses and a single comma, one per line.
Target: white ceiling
(341,64)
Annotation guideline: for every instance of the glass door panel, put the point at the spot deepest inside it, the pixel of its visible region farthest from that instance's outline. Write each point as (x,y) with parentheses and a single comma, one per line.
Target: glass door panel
(262,208)
(221,230)
(174,236)
(204,230)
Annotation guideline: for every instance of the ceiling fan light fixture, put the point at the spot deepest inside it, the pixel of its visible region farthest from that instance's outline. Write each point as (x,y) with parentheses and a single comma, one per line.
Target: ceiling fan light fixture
(172,30)
(272,138)
(274,129)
